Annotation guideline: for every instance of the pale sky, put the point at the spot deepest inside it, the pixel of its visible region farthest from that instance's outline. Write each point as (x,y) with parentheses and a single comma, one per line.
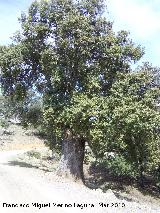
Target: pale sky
(140,17)
(10,10)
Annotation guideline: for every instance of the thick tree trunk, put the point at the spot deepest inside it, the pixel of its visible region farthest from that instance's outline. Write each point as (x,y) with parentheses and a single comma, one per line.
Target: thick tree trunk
(71,162)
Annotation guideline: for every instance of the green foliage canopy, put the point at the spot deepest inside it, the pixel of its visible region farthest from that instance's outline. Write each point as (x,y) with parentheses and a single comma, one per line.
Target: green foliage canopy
(66,46)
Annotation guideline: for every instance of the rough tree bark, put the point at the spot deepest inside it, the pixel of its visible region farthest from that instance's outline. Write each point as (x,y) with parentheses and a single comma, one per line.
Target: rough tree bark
(71,162)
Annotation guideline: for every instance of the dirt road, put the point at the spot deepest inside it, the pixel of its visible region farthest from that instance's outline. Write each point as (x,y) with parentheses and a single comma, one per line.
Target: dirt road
(23,190)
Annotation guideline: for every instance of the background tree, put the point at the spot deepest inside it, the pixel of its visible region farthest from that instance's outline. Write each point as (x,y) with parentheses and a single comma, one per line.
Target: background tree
(69,53)
(134,122)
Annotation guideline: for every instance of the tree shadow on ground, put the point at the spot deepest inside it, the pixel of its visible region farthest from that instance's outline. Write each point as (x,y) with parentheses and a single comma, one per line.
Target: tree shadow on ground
(99,177)
(26,165)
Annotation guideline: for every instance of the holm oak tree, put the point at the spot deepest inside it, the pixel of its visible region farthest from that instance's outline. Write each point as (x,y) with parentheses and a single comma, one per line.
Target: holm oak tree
(67,49)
